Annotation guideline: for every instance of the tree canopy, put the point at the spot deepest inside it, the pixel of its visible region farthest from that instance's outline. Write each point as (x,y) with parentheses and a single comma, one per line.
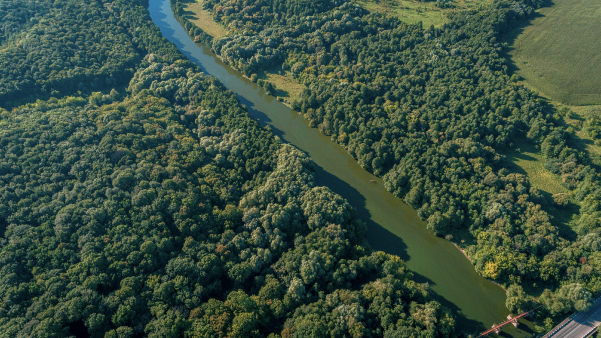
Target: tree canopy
(162,209)
(432,110)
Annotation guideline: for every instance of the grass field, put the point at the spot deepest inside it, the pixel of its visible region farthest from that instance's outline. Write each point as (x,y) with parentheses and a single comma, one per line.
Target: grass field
(584,141)
(203,20)
(415,11)
(559,52)
(527,160)
(286,88)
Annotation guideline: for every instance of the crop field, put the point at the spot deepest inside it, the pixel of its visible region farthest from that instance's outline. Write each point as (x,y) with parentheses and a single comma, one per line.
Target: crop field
(559,52)
(203,20)
(415,11)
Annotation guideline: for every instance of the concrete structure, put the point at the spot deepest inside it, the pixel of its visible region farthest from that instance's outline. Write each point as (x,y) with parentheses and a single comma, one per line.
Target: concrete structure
(578,325)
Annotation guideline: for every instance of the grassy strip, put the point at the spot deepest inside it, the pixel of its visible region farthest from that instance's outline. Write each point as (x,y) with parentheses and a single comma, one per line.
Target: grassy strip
(428,13)
(286,87)
(199,16)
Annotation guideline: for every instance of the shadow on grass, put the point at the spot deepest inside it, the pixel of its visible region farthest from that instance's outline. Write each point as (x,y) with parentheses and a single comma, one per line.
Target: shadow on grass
(511,36)
(561,217)
(279,91)
(189,15)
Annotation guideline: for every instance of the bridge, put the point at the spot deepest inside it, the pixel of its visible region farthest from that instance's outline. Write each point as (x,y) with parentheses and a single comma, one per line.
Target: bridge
(514,321)
(580,324)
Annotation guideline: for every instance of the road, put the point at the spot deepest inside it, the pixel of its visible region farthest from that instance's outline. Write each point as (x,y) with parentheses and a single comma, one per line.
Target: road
(582,324)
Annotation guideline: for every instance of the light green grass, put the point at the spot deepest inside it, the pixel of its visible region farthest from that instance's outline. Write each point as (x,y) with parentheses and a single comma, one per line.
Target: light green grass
(203,19)
(578,121)
(286,87)
(415,11)
(559,52)
(528,161)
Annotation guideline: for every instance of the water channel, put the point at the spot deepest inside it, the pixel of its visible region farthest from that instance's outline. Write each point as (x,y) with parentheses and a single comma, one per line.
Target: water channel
(393,226)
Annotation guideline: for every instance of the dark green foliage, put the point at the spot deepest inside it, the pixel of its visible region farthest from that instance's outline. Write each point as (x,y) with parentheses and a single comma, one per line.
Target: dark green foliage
(431,111)
(177,215)
(164,210)
(19,15)
(74,46)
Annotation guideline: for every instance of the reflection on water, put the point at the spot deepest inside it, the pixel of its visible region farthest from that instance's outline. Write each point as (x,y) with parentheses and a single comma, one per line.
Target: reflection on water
(393,226)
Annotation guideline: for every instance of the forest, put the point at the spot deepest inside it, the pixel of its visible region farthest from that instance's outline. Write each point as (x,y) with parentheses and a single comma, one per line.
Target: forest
(147,202)
(432,110)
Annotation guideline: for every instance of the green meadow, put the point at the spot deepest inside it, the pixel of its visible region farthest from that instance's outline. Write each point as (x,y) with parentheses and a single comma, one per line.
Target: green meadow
(428,13)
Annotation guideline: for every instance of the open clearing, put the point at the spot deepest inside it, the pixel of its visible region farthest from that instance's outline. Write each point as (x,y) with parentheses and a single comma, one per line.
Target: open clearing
(578,120)
(559,52)
(203,20)
(286,87)
(528,161)
(415,11)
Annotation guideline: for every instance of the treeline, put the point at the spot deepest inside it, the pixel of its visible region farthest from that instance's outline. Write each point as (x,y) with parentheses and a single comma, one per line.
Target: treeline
(163,210)
(242,15)
(431,111)
(179,11)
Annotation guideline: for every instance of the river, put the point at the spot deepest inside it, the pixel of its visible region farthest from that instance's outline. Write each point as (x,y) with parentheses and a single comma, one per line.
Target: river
(393,226)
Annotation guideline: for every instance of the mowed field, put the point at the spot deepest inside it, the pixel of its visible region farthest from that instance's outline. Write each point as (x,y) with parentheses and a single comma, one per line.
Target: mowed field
(559,53)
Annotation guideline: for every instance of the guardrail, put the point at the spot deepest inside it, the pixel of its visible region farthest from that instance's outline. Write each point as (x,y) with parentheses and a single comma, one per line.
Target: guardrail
(569,319)
(590,334)
(558,327)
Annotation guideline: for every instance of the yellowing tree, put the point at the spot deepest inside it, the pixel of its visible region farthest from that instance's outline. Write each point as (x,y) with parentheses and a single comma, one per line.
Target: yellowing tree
(491,270)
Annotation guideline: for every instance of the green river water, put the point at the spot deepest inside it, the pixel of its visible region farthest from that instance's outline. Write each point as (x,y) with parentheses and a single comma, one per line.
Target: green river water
(393,226)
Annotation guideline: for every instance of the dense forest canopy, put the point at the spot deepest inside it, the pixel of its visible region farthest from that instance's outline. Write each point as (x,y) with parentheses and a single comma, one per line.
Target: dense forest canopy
(160,208)
(431,110)
(54,48)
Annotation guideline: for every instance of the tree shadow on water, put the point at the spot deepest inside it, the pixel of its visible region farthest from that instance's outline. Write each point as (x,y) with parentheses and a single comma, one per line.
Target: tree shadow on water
(463,325)
(382,239)
(386,241)
(260,116)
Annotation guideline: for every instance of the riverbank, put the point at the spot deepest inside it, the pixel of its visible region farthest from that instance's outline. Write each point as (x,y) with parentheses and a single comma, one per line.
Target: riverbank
(463,252)
(393,227)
